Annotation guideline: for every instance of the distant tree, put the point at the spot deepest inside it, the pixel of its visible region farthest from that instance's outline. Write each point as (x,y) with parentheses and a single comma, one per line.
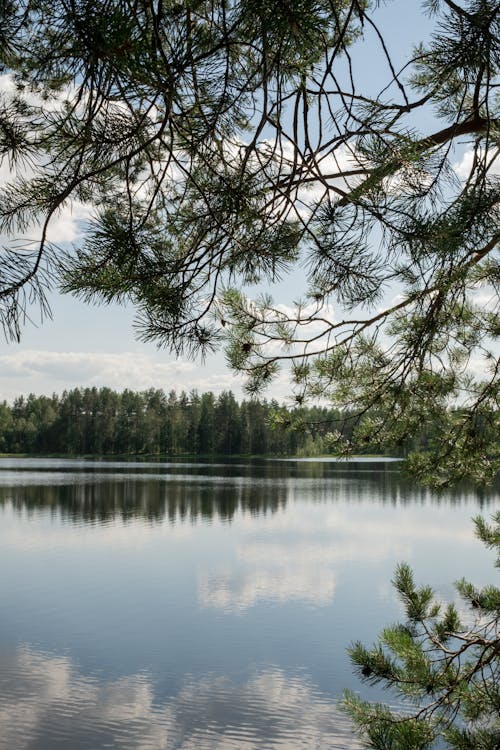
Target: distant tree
(108,408)
(42,412)
(227,424)
(130,421)
(182,423)
(69,435)
(443,665)
(226,143)
(154,418)
(206,425)
(194,415)
(195,130)
(255,427)
(5,427)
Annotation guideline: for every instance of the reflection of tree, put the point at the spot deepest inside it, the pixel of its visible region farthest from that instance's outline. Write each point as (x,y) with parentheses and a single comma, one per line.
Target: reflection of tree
(152,500)
(185,494)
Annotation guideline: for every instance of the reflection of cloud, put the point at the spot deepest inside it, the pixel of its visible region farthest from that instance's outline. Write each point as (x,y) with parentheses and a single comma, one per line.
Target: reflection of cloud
(300,553)
(136,534)
(346,532)
(287,571)
(45,700)
(232,593)
(309,554)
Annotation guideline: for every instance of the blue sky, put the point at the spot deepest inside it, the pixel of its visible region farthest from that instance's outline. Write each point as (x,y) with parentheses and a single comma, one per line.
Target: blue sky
(95,345)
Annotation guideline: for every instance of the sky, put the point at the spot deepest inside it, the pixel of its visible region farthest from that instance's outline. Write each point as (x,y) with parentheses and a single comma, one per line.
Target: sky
(95,345)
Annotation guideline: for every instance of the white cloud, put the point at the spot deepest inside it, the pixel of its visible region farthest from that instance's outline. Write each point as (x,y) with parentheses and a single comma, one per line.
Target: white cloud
(48,371)
(316,317)
(485,298)
(463,167)
(65,225)
(310,179)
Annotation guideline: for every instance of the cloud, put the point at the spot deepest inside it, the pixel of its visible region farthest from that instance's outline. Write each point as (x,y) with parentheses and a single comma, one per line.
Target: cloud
(66,224)
(48,371)
(463,167)
(49,697)
(45,372)
(485,298)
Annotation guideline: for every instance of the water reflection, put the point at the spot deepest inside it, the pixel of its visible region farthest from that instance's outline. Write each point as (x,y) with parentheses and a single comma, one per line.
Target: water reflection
(152,500)
(207,606)
(234,592)
(302,553)
(47,703)
(117,490)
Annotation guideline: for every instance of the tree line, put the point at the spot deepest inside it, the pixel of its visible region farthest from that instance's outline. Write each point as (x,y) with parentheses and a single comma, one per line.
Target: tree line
(211,149)
(100,421)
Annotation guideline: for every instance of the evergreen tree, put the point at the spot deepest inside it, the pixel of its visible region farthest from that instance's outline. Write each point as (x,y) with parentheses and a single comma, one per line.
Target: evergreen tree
(222,144)
(5,427)
(227,424)
(206,425)
(154,418)
(194,416)
(445,666)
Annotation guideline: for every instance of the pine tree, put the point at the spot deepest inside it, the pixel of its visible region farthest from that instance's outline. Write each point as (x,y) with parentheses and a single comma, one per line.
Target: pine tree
(218,145)
(443,666)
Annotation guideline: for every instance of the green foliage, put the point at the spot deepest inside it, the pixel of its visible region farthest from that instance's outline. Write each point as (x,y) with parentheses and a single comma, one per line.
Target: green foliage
(220,145)
(105,422)
(101,421)
(443,666)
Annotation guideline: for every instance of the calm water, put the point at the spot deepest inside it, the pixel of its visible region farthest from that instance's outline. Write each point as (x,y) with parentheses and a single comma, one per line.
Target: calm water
(206,606)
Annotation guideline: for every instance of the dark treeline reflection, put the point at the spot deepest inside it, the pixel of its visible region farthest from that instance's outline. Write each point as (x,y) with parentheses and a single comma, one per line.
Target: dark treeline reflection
(151,500)
(185,493)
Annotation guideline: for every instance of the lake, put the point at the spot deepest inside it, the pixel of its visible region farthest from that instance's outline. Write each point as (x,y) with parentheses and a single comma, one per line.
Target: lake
(208,605)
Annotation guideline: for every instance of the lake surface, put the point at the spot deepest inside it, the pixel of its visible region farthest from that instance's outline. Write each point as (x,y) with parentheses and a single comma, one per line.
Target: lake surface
(207,606)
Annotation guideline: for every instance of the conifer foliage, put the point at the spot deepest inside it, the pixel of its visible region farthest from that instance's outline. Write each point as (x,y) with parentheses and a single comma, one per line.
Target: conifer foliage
(443,664)
(103,422)
(216,145)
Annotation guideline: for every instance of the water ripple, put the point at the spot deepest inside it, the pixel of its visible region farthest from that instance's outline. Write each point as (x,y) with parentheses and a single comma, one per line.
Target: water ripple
(47,703)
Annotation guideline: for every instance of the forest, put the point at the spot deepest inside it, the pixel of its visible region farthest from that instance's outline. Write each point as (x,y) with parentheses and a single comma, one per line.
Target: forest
(100,421)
